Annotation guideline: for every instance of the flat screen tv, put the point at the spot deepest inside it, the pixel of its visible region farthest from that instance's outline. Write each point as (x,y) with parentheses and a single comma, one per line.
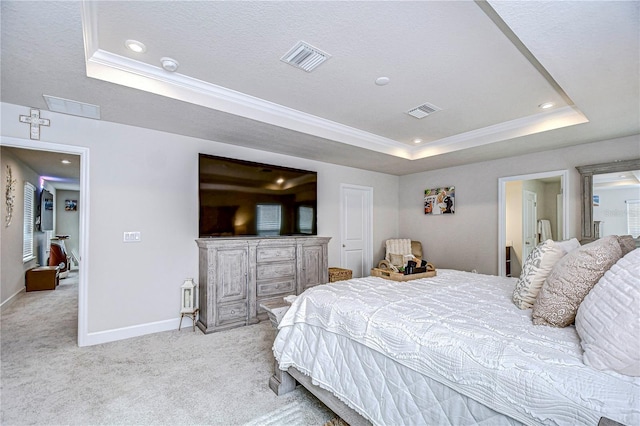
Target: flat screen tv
(243,198)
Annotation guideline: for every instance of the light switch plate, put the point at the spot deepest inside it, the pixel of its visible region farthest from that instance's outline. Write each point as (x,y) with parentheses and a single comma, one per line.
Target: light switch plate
(131,237)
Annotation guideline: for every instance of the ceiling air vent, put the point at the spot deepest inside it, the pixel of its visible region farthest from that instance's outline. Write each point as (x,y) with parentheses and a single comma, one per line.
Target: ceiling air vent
(305,56)
(423,110)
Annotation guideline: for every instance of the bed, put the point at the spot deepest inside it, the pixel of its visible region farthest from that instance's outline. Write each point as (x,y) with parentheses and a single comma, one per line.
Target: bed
(451,349)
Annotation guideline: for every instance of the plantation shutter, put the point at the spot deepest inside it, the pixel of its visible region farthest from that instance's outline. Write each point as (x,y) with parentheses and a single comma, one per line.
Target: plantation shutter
(633,218)
(27,240)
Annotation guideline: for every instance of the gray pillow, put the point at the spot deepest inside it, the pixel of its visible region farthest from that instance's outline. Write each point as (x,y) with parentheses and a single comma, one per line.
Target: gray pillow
(571,280)
(537,268)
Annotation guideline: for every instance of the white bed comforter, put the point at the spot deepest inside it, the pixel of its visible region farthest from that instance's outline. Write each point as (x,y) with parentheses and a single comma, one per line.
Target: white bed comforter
(463,331)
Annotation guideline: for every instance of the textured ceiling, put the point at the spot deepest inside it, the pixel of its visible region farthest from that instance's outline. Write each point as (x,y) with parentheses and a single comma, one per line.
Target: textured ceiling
(488,68)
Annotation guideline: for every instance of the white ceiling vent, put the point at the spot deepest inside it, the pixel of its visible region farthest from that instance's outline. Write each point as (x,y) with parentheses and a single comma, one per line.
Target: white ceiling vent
(67,106)
(423,110)
(305,56)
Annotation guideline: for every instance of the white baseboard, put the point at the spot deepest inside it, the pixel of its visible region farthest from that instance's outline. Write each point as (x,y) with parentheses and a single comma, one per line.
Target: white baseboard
(11,299)
(107,336)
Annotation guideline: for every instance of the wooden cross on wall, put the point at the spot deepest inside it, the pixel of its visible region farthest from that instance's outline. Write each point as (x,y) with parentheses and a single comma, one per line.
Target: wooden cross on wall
(35,121)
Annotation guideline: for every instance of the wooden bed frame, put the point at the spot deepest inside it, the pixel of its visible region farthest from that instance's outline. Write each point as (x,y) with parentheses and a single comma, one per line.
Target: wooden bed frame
(283,382)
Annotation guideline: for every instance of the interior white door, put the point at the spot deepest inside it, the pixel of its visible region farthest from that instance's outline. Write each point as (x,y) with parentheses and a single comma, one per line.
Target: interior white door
(356,233)
(529,223)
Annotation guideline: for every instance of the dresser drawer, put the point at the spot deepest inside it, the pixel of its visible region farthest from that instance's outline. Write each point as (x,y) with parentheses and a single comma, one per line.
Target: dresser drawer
(276,254)
(232,312)
(267,288)
(269,271)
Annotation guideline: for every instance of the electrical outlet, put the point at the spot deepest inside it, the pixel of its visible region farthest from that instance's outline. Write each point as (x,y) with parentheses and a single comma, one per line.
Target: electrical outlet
(131,237)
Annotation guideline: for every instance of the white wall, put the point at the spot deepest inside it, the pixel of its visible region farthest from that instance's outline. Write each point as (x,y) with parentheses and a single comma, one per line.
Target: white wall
(468,239)
(144,180)
(612,211)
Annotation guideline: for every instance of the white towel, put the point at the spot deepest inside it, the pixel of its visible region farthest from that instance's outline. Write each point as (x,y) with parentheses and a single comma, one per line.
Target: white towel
(544,229)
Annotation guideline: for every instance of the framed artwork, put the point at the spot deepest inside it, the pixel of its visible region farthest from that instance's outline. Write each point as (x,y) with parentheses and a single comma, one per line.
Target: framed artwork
(71,205)
(440,200)
(596,200)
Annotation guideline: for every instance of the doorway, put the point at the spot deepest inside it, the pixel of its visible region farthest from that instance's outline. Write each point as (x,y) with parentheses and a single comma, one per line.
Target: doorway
(511,220)
(83,213)
(356,212)
(529,222)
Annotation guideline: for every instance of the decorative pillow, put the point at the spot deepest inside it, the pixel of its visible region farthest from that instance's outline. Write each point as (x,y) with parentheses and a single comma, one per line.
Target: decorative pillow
(608,322)
(396,259)
(536,269)
(627,244)
(569,245)
(571,279)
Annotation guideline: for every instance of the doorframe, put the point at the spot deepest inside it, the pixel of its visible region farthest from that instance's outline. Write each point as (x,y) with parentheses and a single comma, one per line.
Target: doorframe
(368,244)
(83,213)
(502,209)
(525,195)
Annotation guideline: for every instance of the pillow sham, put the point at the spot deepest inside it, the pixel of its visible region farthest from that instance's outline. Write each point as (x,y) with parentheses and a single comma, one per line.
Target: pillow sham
(627,244)
(571,280)
(607,320)
(537,267)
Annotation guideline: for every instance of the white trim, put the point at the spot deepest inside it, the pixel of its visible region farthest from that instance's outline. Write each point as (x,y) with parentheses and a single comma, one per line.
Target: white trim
(502,209)
(99,337)
(83,212)
(11,299)
(368,244)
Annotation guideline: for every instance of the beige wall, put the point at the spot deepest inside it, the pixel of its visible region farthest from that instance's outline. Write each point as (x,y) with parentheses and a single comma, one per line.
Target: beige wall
(469,239)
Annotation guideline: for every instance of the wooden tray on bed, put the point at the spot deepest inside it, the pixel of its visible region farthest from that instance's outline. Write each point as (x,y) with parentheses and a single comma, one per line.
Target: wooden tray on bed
(388,274)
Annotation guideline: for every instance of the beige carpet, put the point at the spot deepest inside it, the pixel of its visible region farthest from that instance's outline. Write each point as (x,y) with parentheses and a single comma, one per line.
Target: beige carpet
(170,378)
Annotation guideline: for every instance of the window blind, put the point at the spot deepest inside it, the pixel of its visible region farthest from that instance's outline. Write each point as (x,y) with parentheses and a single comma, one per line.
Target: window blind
(27,240)
(305,219)
(269,219)
(633,218)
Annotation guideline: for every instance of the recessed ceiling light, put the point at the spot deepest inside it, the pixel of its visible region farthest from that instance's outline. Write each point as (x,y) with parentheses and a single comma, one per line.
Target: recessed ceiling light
(417,140)
(547,105)
(135,46)
(65,162)
(280,181)
(382,81)
(169,64)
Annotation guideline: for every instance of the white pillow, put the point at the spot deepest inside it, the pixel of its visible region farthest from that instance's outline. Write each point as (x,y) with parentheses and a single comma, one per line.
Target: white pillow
(569,245)
(608,322)
(537,267)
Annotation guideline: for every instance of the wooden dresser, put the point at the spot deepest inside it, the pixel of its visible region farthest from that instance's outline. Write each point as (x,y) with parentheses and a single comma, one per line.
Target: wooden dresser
(236,275)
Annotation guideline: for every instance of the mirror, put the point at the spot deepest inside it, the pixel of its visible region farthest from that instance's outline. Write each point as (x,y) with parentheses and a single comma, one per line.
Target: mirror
(592,227)
(526,203)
